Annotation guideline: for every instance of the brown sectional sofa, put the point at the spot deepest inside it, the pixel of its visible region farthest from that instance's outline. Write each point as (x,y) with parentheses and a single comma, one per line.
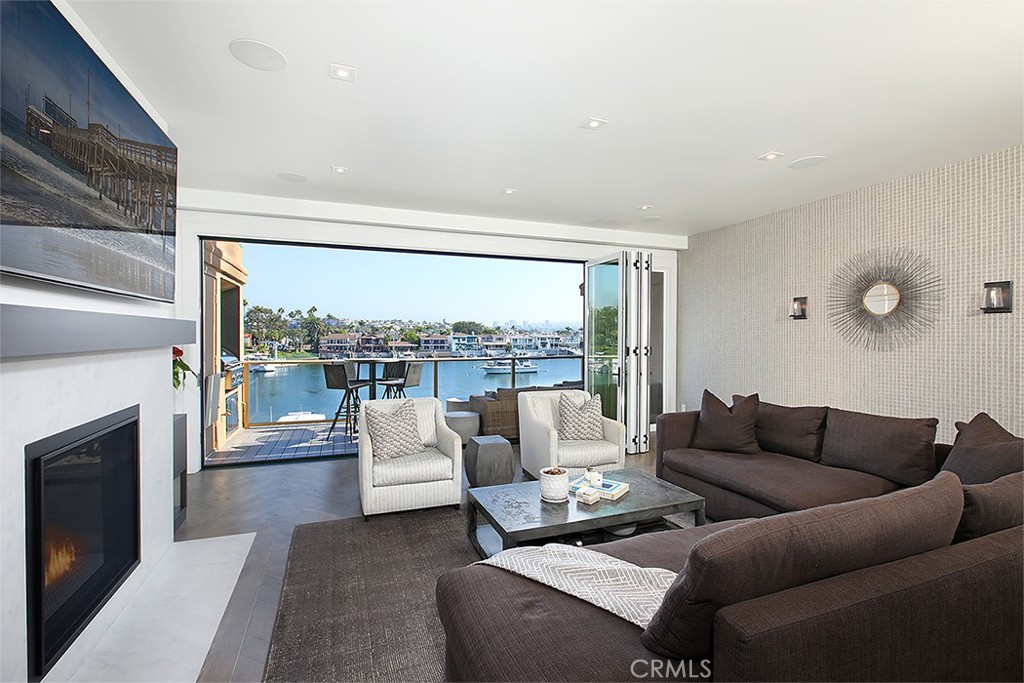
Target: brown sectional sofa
(864,590)
(809,456)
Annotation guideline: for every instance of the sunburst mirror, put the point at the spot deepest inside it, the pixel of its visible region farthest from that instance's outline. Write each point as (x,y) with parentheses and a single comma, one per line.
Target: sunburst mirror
(884,299)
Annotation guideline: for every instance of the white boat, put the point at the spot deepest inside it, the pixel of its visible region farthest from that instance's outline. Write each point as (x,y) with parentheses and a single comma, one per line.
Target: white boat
(261,368)
(504,367)
(301,416)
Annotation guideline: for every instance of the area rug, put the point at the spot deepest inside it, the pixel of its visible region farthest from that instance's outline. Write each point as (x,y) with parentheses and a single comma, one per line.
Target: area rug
(358,599)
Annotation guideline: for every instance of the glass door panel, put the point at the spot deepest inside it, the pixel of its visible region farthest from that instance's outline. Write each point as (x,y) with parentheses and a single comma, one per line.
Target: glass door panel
(603,334)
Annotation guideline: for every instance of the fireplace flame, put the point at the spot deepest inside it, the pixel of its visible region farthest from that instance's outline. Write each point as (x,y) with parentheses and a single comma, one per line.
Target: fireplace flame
(60,558)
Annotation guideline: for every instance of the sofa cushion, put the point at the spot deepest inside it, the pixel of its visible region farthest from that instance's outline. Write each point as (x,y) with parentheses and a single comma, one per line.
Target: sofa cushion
(500,626)
(781,482)
(587,453)
(772,554)
(425,465)
(991,507)
(791,431)
(900,449)
(720,428)
(474,604)
(664,549)
(984,451)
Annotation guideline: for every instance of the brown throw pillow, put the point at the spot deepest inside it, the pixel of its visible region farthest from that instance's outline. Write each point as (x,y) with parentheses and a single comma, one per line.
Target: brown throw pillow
(983,451)
(791,431)
(987,462)
(771,554)
(901,450)
(982,429)
(992,507)
(720,428)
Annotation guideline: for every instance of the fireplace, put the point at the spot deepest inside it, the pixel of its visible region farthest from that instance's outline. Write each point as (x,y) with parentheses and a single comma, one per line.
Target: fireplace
(82,531)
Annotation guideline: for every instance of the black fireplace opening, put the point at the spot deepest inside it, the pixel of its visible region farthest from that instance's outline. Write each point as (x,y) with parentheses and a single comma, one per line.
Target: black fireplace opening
(82,531)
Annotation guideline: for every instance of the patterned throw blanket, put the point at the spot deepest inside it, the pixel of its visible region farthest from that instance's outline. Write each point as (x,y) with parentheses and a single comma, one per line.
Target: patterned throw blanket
(624,589)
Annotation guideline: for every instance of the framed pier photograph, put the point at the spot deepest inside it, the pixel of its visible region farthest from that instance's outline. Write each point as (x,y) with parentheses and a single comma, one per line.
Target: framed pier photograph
(89,181)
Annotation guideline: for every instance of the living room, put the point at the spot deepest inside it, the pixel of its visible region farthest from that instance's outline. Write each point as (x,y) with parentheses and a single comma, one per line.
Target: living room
(777,160)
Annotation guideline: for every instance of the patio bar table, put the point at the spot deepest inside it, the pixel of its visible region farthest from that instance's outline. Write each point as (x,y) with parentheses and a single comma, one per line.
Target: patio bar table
(372,363)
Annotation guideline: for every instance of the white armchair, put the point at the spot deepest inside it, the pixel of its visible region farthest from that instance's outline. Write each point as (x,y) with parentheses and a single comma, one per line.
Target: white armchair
(429,478)
(540,446)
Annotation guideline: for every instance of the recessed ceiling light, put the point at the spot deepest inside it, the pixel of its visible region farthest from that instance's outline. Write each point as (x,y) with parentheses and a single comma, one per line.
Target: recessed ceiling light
(339,169)
(292,177)
(510,190)
(343,72)
(257,55)
(593,123)
(807,162)
(771,156)
(645,207)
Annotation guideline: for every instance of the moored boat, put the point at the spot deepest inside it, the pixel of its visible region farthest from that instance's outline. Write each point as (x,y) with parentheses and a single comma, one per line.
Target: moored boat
(504,367)
(301,416)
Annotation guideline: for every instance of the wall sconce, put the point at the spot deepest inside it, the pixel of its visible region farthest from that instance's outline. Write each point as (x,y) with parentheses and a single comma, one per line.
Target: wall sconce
(798,311)
(997,297)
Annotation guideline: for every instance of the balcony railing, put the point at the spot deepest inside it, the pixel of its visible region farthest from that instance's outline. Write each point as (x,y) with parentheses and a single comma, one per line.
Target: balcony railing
(294,387)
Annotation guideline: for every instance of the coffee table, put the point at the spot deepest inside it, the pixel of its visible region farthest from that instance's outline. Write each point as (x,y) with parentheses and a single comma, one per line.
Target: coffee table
(516,513)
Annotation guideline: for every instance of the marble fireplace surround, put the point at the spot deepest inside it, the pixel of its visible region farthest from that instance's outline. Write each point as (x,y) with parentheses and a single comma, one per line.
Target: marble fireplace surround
(61,368)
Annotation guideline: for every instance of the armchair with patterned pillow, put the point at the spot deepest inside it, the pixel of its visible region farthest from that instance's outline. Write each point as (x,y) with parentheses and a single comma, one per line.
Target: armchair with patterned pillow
(408,457)
(566,428)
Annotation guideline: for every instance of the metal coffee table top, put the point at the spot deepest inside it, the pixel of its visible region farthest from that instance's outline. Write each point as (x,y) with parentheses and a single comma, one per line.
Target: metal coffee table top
(518,514)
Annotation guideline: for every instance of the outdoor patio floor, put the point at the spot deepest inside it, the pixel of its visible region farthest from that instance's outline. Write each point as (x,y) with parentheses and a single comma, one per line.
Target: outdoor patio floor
(286,442)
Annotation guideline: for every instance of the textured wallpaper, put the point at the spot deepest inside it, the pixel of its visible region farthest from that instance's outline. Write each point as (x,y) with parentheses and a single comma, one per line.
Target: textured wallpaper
(736,285)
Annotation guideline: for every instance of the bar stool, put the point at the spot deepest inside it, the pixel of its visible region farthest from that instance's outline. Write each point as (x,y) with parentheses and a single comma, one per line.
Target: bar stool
(394,373)
(345,376)
(395,388)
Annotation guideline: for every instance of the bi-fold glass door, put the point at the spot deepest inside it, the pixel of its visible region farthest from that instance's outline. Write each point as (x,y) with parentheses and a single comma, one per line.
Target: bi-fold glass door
(617,340)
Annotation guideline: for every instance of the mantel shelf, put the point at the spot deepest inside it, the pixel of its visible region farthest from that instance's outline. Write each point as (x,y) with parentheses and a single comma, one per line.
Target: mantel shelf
(28,331)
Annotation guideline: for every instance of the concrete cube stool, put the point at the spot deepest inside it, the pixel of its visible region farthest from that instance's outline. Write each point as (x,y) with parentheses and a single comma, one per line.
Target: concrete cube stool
(457,405)
(489,461)
(465,423)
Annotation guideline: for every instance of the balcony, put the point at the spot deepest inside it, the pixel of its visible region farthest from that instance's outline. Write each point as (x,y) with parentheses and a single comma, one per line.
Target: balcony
(295,391)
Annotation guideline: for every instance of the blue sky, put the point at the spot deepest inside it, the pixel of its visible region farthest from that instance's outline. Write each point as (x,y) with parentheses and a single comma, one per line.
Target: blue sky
(349,283)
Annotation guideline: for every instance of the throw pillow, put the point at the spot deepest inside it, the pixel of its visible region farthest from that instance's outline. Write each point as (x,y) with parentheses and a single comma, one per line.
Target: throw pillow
(982,429)
(901,450)
(720,428)
(992,507)
(983,451)
(580,422)
(986,462)
(772,554)
(393,434)
(791,431)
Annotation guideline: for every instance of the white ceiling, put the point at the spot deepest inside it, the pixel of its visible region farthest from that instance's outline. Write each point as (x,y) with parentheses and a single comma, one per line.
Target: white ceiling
(457,100)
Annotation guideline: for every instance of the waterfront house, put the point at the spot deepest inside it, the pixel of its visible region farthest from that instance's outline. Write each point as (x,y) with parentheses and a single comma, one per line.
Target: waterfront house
(339,344)
(765,155)
(435,343)
(369,343)
(546,340)
(466,343)
(398,348)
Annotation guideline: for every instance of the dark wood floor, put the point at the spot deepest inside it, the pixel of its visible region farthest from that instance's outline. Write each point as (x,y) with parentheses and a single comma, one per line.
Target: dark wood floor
(271,500)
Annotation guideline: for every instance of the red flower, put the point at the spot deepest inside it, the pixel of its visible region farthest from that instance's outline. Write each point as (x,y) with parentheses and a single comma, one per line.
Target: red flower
(178,353)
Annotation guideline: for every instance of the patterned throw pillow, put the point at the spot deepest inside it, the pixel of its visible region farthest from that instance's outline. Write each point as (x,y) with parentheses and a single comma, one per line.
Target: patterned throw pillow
(579,422)
(393,434)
